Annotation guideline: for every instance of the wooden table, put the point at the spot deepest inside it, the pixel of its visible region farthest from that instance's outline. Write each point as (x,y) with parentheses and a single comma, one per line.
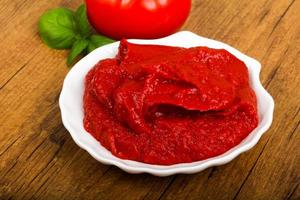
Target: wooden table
(39,160)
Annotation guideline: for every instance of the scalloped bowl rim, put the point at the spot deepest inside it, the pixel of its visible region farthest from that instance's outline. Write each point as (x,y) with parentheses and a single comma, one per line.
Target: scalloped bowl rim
(72,113)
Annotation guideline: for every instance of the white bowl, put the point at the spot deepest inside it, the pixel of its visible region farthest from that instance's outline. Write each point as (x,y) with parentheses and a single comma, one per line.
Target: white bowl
(71,102)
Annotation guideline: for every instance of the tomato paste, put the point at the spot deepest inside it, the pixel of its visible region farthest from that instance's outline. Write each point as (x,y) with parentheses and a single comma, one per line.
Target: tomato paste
(166,105)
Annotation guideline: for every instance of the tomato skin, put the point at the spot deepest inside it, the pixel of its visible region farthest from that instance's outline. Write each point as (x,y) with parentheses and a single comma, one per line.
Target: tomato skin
(137,18)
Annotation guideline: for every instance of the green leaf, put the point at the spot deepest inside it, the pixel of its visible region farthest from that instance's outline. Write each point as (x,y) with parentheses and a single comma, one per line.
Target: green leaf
(57,28)
(82,21)
(97,41)
(78,47)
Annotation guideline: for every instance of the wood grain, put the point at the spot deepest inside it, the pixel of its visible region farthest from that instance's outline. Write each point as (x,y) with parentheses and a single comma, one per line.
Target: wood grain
(39,160)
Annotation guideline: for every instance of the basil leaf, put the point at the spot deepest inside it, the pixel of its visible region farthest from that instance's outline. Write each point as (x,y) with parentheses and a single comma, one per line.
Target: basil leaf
(57,28)
(97,41)
(78,47)
(82,21)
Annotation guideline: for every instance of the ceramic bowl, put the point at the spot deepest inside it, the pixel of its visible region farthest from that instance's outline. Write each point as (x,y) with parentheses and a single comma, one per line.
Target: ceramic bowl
(71,101)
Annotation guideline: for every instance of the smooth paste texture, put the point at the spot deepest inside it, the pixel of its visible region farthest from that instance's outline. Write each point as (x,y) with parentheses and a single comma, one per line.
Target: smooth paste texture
(165,105)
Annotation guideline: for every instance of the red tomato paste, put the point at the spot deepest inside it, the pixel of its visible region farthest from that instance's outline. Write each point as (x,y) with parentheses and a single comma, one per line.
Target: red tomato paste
(165,105)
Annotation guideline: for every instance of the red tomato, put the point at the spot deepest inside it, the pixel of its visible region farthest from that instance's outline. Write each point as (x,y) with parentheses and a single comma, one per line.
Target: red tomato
(137,18)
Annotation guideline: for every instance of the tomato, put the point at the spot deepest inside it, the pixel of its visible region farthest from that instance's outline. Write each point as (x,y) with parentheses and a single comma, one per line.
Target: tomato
(137,18)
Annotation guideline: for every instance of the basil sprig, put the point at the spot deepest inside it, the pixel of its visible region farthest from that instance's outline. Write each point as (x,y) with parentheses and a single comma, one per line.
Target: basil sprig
(62,28)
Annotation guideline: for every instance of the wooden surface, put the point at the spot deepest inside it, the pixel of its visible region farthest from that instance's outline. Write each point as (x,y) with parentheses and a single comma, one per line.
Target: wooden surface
(39,160)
